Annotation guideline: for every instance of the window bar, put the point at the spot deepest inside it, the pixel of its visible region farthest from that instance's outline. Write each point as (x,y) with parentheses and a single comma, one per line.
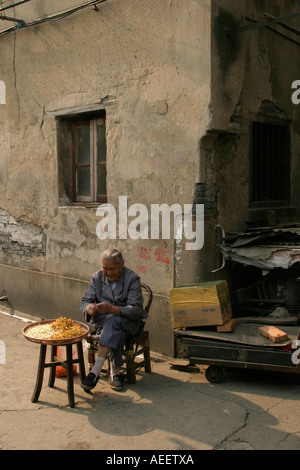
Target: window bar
(261,174)
(278,161)
(93,160)
(270,161)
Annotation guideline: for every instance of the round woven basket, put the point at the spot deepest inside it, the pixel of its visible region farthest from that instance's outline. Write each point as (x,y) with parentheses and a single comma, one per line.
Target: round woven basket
(54,342)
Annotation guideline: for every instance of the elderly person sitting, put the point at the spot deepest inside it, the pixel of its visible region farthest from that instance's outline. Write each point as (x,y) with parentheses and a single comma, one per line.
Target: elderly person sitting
(113,304)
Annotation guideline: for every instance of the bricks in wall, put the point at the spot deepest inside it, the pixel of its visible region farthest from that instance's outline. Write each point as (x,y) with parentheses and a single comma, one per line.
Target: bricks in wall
(19,239)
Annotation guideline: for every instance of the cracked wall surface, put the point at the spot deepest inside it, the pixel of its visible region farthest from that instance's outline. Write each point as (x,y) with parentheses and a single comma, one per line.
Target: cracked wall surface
(147,64)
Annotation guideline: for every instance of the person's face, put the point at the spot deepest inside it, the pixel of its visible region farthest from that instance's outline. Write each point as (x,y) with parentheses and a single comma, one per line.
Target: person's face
(111,269)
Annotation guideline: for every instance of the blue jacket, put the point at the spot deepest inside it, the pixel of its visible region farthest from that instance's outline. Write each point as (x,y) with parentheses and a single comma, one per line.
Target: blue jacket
(127,295)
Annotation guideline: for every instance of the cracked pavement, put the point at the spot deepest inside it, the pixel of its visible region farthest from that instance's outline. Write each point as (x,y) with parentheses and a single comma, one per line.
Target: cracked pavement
(169,409)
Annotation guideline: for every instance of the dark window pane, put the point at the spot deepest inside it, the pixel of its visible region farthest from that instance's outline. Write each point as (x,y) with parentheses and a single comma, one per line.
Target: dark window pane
(101,144)
(83,145)
(270,163)
(83,181)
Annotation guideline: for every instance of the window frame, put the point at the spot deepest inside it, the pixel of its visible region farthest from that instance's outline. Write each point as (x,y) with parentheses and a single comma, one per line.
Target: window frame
(92,123)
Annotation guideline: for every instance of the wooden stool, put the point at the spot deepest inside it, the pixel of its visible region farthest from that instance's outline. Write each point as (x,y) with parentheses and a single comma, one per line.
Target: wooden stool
(56,361)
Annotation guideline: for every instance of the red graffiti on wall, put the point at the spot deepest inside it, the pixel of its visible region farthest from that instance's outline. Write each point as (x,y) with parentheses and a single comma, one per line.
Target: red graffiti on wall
(162,255)
(144,252)
(141,268)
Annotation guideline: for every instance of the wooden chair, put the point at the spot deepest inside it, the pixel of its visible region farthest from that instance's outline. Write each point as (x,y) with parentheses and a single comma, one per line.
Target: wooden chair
(134,346)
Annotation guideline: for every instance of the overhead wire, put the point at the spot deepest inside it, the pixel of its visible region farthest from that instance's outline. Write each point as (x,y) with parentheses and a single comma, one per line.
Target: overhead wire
(12,5)
(55,17)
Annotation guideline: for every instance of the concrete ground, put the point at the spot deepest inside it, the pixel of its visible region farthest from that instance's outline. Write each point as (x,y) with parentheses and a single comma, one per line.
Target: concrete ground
(168,409)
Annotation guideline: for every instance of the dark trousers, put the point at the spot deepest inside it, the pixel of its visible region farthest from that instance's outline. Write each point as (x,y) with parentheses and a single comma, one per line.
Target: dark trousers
(113,331)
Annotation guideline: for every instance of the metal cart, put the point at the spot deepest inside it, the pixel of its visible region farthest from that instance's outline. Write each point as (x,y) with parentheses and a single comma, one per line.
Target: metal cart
(222,351)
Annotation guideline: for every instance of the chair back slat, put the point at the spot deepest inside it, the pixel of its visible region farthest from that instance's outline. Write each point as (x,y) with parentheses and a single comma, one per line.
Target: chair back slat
(150,296)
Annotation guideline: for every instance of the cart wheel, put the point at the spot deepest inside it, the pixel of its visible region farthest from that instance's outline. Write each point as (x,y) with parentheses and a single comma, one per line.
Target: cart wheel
(214,374)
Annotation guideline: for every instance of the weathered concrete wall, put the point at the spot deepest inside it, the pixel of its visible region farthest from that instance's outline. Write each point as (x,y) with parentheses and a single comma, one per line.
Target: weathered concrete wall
(152,62)
(41,294)
(249,69)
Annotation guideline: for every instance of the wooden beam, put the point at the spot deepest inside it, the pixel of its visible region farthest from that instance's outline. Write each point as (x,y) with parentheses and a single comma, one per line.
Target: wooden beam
(227,327)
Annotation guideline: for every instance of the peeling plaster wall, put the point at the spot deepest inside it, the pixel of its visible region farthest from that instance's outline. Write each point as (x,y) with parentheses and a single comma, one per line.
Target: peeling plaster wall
(152,59)
(20,240)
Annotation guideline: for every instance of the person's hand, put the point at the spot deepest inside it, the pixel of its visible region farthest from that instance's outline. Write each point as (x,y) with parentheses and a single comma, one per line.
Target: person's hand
(102,307)
(92,309)
(105,307)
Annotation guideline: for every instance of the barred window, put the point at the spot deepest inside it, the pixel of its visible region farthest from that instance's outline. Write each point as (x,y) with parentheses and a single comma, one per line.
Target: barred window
(270,167)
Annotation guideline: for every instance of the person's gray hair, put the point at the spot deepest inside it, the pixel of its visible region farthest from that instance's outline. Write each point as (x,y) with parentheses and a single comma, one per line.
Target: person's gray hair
(113,254)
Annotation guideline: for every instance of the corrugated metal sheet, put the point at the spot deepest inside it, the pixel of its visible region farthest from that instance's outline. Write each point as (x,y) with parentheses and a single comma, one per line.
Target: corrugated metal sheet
(268,248)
